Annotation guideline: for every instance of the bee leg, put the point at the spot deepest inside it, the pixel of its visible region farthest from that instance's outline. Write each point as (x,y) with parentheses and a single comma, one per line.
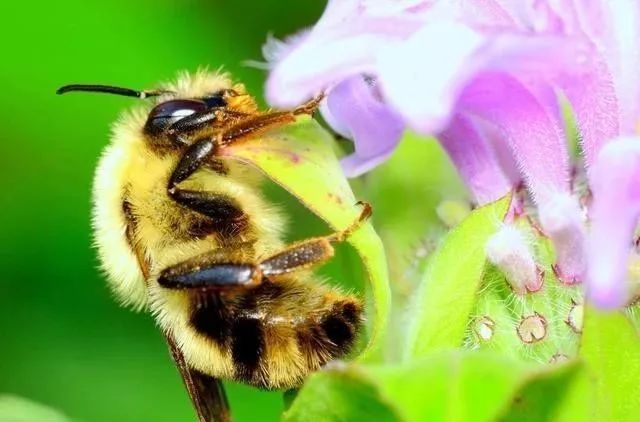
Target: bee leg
(193,275)
(190,126)
(194,157)
(204,273)
(260,123)
(227,217)
(310,252)
(218,269)
(255,125)
(202,124)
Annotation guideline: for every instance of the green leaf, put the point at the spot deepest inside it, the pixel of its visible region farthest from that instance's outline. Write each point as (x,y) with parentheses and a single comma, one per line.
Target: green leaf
(448,292)
(611,350)
(545,398)
(300,158)
(450,386)
(18,409)
(346,394)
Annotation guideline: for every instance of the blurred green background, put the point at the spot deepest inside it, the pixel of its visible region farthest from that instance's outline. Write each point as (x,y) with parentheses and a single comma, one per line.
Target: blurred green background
(63,341)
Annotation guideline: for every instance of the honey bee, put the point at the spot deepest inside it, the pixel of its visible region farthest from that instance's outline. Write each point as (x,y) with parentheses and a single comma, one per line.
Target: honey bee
(187,234)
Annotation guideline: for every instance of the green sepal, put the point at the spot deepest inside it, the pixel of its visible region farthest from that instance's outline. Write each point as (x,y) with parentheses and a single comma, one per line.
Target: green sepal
(448,292)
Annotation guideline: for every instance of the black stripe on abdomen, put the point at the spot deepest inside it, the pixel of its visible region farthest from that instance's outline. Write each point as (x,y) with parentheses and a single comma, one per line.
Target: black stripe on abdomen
(248,348)
(211,318)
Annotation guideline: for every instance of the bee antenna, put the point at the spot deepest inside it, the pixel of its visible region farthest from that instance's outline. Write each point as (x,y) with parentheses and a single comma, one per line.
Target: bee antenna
(108,89)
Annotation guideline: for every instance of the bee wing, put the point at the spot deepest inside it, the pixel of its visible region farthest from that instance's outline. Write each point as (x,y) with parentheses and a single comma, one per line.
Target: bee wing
(206,393)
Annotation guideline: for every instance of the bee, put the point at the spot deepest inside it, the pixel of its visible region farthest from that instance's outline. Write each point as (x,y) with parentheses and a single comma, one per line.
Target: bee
(187,234)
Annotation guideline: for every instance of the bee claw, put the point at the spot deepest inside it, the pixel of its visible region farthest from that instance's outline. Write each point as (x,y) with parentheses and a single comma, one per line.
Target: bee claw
(310,106)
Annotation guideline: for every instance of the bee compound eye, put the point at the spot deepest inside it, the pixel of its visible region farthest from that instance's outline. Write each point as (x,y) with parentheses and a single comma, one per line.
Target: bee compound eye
(165,114)
(215,100)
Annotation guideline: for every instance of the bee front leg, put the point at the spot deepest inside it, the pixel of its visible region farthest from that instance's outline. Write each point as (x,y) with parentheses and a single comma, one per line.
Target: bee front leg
(255,125)
(194,157)
(190,127)
(202,124)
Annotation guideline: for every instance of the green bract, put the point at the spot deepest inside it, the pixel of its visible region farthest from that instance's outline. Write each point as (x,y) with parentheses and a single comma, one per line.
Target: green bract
(451,282)
(300,158)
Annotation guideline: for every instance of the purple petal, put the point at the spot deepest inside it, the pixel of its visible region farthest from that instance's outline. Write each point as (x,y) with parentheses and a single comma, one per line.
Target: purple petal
(478,14)
(510,251)
(539,147)
(501,149)
(354,165)
(314,66)
(614,28)
(595,107)
(614,216)
(433,74)
(330,54)
(564,223)
(337,125)
(338,12)
(536,141)
(274,49)
(425,87)
(606,101)
(623,55)
(476,160)
(356,111)
(567,12)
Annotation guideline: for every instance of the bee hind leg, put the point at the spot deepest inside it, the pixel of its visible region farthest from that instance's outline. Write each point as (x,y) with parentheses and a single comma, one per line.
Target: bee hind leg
(311,252)
(220,269)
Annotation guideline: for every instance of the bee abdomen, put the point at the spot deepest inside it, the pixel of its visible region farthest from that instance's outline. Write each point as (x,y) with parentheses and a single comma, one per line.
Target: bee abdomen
(273,339)
(332,335)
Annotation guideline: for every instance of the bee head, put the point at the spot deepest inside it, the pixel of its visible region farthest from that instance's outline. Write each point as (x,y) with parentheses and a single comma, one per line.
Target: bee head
(186,105)
(170,111)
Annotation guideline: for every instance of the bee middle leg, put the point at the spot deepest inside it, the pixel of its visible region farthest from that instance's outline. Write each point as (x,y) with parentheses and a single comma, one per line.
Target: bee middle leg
(217,270)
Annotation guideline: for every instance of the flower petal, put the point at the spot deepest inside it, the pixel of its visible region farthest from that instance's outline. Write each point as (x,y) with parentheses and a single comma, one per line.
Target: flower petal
(421,77)
(614,28)
(623,55)
(354,165)
(330,54)
(475,159)
(564,222)
(356,111)
(606,101)
(433,74)
(614,216)
(536,141)
(479,14)
(509,250)
(595,107)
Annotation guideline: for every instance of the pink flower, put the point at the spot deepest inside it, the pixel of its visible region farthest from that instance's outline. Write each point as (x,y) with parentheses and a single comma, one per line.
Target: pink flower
(483,76)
